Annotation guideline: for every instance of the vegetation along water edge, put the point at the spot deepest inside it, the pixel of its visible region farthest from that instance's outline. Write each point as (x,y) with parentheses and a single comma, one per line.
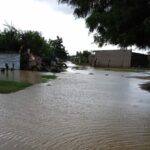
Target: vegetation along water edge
(7,86)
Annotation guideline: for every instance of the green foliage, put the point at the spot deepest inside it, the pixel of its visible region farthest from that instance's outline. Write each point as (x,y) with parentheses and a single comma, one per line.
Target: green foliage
(34,41)
(120,22)
(82,58)
(58,50)
(13,40)
(9,40)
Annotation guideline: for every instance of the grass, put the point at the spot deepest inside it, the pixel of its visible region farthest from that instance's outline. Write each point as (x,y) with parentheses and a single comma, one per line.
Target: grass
(48,77)
(12,86)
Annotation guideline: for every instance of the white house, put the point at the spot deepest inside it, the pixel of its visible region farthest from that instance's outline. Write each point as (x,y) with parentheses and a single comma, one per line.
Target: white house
(12,59)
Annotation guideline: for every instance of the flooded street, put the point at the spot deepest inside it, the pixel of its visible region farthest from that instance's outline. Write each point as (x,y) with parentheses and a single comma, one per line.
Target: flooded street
(87,109)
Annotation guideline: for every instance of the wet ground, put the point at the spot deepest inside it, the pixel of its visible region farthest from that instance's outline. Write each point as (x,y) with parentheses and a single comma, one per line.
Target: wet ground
(87,109)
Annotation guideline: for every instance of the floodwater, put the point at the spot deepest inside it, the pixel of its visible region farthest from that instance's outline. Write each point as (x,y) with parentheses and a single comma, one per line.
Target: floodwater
(87,109)
(17,75)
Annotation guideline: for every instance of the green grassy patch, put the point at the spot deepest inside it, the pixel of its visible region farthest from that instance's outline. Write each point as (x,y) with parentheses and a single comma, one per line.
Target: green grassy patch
(48,77)
(12,86)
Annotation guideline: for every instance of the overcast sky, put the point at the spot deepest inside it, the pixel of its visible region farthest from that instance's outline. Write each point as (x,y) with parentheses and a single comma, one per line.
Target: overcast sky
(49,18)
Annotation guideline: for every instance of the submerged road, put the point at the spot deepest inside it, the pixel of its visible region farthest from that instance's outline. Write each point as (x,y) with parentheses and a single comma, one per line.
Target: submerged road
(81,110)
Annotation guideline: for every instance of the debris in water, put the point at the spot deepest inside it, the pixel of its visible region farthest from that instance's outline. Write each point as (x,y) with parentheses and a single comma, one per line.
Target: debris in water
(91,73)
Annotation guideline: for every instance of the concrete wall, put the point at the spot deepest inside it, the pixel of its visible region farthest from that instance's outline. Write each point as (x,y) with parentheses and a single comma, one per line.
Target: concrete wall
(112,58)
(10,59)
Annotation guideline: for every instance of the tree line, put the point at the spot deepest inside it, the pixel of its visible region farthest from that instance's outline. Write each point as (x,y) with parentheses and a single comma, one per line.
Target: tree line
(14,40)
(81,58)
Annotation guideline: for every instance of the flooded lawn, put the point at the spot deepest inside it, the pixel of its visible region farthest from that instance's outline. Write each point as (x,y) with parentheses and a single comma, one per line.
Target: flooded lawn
(17,75)
(87,109)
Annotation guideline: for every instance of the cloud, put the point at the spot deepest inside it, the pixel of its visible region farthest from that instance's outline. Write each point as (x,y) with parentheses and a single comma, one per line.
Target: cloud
(54,4)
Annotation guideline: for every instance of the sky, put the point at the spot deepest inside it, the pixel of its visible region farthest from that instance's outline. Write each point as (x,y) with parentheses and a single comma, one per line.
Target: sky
(51,19)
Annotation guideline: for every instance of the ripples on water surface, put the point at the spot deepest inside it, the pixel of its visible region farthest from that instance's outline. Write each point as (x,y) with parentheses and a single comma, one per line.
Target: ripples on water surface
(79,111)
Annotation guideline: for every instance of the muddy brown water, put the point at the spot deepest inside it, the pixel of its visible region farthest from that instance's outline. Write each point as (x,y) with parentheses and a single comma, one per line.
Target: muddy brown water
(17,75)
(80,110)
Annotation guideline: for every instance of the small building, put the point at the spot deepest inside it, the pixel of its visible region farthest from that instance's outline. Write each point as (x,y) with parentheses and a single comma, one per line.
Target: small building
(12,59)
(118,59)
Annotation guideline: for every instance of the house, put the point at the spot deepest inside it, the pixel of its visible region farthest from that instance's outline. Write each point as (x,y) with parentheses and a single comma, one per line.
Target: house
(11,59)
(118,59)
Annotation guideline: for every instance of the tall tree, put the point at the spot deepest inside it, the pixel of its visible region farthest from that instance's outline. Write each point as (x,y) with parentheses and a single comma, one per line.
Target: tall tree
(120,22)
(58,49)
(34,41)
(82,57)
(9,40)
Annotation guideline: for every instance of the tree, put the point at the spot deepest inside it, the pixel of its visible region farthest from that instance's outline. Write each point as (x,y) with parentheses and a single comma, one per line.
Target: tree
(82,58)
(9,40)
(34,41)
(13,40)
(119,22)
(58,49)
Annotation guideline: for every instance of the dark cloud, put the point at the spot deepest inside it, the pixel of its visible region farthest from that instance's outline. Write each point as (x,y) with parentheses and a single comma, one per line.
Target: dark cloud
(57,6)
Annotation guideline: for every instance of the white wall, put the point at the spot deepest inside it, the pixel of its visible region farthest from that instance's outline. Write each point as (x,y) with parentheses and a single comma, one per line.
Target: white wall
(10,59)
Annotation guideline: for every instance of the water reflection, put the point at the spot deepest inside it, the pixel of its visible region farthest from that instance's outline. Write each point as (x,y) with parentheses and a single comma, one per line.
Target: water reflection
(78,112)
(17,75)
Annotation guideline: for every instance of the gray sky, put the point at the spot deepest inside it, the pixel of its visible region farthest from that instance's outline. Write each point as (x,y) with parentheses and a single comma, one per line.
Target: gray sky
(49,18)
